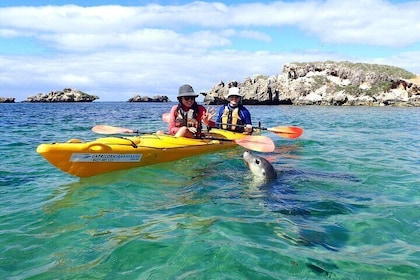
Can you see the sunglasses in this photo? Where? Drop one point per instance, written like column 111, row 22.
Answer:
column 189, row 98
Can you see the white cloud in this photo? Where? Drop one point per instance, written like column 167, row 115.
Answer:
column 366, row 22
column 250, row 34
column 374, row 21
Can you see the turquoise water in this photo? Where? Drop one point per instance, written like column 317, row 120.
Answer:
column 344, row 206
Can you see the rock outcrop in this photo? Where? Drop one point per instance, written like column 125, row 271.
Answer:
column 66, row 95
column 326, row 83
column 157, row 98
column 7, row 100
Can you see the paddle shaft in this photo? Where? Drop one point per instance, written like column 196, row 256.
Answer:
column 240, row 125
column 291, row 132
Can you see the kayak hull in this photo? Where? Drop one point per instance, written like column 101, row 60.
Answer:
column 108, row 154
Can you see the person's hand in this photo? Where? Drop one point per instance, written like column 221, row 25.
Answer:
column 248, row 128
column 210, row 112
column 192, row 129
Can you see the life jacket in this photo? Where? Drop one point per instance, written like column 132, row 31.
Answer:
column 188, row 118
column 231, row 120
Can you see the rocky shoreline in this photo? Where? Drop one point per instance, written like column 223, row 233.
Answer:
column 326, row 83
column 315, row 83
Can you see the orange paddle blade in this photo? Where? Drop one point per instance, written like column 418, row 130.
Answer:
column 291, row 132
column 107, row 129
column 256, row 143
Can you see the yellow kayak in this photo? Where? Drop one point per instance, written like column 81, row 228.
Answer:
column 107, row 154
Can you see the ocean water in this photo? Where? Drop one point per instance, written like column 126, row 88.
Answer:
column 344, row 206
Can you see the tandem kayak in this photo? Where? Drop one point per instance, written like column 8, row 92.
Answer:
column 108, row 154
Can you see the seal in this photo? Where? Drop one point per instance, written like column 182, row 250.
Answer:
column 305, row 226
column 259, row 166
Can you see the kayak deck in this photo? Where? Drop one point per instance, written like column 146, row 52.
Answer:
column 107, row 154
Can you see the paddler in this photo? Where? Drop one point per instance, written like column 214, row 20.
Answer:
column 187, row 117
column 234, row 116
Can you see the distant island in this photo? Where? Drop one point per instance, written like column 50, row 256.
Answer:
column 7, row 100
column 311, row 83
column 65, row 95
column 75, row 95
column 157, row 98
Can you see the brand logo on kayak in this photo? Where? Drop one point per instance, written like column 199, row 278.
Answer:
column 85, row 157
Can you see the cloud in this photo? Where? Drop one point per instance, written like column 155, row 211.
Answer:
column 358, row 22
column 118, row 51
column 371, row 22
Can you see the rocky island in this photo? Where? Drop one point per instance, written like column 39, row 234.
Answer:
column 157, row 98
column 66, row 95
column 7, row 100
column 327, row 83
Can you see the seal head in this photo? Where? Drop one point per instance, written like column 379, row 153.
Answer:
column 259, row 166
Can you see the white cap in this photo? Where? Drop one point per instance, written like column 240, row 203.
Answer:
column 234, row 91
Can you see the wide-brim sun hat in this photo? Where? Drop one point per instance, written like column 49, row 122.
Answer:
column 234, row 91
column 186, row 90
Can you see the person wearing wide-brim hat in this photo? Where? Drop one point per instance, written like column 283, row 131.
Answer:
column 187, row 117
column 186, row 90
column 234, row 116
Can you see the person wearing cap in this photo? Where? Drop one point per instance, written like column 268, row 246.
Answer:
column 234, row 116
column 187, row 117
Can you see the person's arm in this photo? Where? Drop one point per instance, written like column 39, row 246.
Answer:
column 246, row 116
column 173, row 129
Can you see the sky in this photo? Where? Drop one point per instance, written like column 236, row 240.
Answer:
column 119, row 49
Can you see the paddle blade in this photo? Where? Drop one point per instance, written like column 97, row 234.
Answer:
column 107, row 129
column 256, row 143
column 291, row 132
column 165, row 117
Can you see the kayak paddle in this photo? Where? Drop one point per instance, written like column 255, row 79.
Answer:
column 256, row 143
column 291, row 132
column 107, row 129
